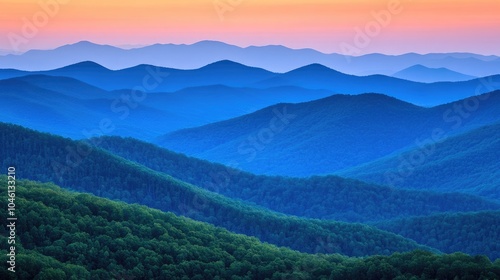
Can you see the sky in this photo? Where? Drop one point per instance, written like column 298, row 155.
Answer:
column 342, row 26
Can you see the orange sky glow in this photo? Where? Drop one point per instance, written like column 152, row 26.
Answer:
column 402, row 26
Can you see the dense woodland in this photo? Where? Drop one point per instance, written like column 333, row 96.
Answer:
column 471, row 233
column 466, row 163
column 327, row 197
column 79, row 167
column 64, row 235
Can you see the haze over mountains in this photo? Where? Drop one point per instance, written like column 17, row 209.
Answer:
column 420, row 73
column 273, row 58
column 322, row 197
column 68, row 107
column 81, row 168
column 267, row 144
column 327, row 135
column 227, row 73
column 467, row 162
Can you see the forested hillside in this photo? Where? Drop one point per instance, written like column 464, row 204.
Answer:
column 327, row 197
column 65, row 235
column 466, row 163
column 471, row 233
column 330, row 134
column 78, row 166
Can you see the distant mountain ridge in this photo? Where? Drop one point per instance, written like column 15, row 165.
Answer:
column 420, row 73
column 69, row 107
column 273, row 58
column 228, row 73
column 323, row 136
column 467, row 163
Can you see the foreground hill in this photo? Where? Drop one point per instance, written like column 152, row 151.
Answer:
column 232, row 74
column 466, row 163
column 64, row 235
column 80, row 167
column 330, row 134
column 328, row 197
column 471, row 233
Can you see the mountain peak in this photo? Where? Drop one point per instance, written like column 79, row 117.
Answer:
column 315, row 67
column 87, row 65
column 228, row 65
column 84, row 43
column 422, row 73
column 225, row 63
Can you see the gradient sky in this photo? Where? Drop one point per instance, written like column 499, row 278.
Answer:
column 421, row 26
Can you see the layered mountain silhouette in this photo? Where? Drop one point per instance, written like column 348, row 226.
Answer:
column 392, row 159
column 420, row 73
column 69, row 107
column 328, row 197
column 80, row 167
column 274, row 58
column 330, row 134
column 467, row 163
column 68, row 229
column 227, row 73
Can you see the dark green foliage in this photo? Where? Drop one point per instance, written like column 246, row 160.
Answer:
column 327, row 197
column 77, row 166
column 467, row 163
column 471, row 233
column 79, row 236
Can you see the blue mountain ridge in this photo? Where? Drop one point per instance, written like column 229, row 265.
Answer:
column 330, row 134
column 314, row 76
column 275, row 58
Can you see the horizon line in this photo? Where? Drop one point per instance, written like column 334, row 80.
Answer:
column 128, row 47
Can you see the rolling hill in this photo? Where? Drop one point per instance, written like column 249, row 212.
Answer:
column 317, row 76
column 68, row 107
column 157, row 79
column 231, row 74
column 465, row 163
column 327, row 135
column 67, row 235
column 420, row 73
column 79, row 167
column 74, row 109
column 471, row 233
column 328, row 197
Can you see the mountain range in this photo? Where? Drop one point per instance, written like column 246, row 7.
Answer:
column 213, row 161
column 154, row 177
column 321, row 197
column 71, row 108
column 274, row 58
column 79, row 167
column 76, row 235
column 148, row 78
column 467, row 163
column 330, row 134
column 420, row 73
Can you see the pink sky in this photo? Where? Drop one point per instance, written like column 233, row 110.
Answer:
column 421, row 26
